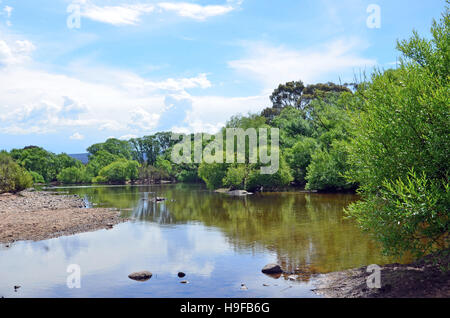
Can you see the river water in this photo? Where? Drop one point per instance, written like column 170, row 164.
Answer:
column 219, row 241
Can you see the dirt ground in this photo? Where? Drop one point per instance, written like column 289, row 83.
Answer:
column 36, row 216
column 423, row 279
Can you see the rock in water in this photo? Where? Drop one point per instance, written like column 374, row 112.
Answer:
column 272, row 269
column 141, row 276
column 181, row 274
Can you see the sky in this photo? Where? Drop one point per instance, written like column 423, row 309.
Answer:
column 76, row 72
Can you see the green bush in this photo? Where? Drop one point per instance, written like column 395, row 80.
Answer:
column 213, row 174
column 13, row 178
column 300, row 158
column 119, row 171
column 37, row 178
column 281, row 178
column 401, row 146
column 328, row 168
column 236, row 177
column 74, row 175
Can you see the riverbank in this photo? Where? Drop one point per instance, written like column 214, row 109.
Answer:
column 421, row 279
column 35, row 215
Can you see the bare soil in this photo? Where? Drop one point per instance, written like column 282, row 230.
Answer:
column 427, row 278
column 33, row 215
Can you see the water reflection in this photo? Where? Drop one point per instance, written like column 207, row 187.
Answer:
column 307, row 232
column 221, row 241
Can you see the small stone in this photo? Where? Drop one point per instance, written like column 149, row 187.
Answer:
column 181, row 274
column 243, row 287
column 184, row 282
column 272, row 269
column 141, row 276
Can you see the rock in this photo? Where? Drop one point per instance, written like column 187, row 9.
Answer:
column 292, row 277
column 272, row 269
column 16, row 288
column 243, row 287
column 266, row 285
column 181, row 274
column 238, row 193
column 141, row 276
column 184, row 282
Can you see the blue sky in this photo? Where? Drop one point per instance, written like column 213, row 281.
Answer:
column 135, row 67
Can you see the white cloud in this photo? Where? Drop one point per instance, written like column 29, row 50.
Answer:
column 77, row 136
column 130, row 14
column 99, row 99
column 273, row 65
column 209, row 113
column 116, row 15
column 195, row 11
column 17, row 52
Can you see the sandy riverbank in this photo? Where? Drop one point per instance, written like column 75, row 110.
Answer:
column 422, row 279
column 38, row 216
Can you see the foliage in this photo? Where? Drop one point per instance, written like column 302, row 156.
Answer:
column 13, row 178
column 300, row 157
column 213, row 174
column 400, row 148
column 74, row 175
column 43, row 162
column 37, row 178
column 327, row 168
column 280, row 179
column 101, row 159
column 119, row 148
column 119, row 172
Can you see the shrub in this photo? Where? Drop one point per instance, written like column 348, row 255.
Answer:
column 119, row 171
column 74, row 175
column 37, row 178
column 13, row 178
column 400, row 148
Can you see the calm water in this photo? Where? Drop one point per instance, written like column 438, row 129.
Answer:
column 220, row 242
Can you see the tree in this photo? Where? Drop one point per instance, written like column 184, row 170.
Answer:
column 101, row 159
column 13, row 178
column 287, row 94
column 74, row 175
column 213, row 174
column 119, row 172
column 300, row 157
column 400, row 148
column 120, row 148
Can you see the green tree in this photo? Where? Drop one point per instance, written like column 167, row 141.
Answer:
column 13, row 178
column 37, row 178
column 120, row 148
column 400, row 148
column 300, row 156
column 118, row 172
column 74, row 175
column 287, row 94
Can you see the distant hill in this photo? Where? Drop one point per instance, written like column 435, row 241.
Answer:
column 83, row 157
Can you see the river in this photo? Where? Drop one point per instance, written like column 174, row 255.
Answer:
column 219, row 241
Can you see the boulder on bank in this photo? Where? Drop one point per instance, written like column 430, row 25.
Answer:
column 141, row 276
column 272, row 269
